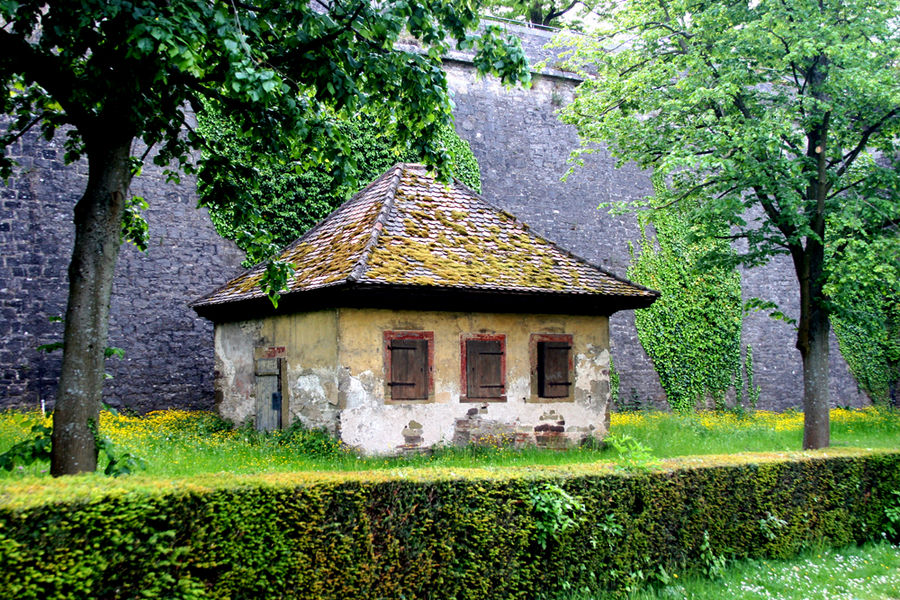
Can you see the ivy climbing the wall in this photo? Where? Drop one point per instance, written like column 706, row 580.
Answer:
column 293, row 198
column 693, row 332
column 869, row 339
column 865, row 289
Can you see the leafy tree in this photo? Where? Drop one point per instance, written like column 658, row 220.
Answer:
column 291, row 202
column 120, row 76
column 759, row 114
column 539, row 12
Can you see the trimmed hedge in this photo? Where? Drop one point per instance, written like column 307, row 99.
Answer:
column 427, row 534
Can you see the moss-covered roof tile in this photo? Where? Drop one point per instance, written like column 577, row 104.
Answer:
column 407, row 229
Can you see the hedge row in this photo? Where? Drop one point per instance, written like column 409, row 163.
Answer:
column 369, row 536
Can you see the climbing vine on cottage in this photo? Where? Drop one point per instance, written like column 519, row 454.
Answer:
column 693, row 332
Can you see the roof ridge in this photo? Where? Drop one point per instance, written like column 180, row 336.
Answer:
column 361, row 264
column 569, row 253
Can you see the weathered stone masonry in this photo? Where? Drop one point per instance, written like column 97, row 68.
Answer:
column 522, row 149
column 168, row 354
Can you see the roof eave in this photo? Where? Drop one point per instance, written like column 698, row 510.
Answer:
column 397, row 297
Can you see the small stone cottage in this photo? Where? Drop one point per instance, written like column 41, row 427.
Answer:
column 419, row 314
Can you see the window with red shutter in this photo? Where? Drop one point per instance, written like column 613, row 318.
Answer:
column 483, row 367
column 552, row 366
column 408, row 360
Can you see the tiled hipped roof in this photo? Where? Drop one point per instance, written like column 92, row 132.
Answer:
column 408, row 230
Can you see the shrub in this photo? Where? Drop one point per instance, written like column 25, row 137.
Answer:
column 317, row 443
column 462, row 534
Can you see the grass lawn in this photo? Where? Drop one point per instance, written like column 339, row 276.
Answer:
column 870, row 572
column 179, row 443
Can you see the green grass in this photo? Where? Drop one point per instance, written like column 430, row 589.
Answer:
column 671, row 435
column 869, row 572
column 177, row 443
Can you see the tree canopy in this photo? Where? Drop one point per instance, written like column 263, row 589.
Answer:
column 778, row 120
column 538, row 12
column 119, row 78
column 291, row 200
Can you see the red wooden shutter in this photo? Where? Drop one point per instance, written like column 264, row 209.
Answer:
column 553, row 369
column 484, row 369
column 409, row 369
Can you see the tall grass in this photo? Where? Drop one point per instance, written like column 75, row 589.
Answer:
column 179, row 443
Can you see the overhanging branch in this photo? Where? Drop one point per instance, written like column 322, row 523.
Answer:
column 49, row 72
column 851, row 156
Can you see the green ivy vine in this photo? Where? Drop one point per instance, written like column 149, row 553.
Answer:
column 865, row 290
column 292, row 198
column 692, row 333
column 870, row 343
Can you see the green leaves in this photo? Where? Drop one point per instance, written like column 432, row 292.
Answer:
column 52, row 347
column 24, row 453
column 759, row 305
column 633, row 456
column 118, row 463
column 286, row 74
column 774, row 124
column 134, row 226
column 719, row 99
column 555, row 512
column 692, row 333
column 288, row 198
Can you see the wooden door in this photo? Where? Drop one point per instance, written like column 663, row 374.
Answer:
column 268, row 394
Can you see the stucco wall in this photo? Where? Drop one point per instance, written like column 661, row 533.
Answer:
column 368, row 423
column 335, row 378
column 307, row 342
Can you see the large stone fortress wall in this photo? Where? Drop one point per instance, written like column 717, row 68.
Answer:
column 168, row 350
column 522, row 149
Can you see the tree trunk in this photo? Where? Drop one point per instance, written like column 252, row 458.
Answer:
column 98, row 227
column 816, row 395
column 812, row 341
column 814, row 326
column 536, row 13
